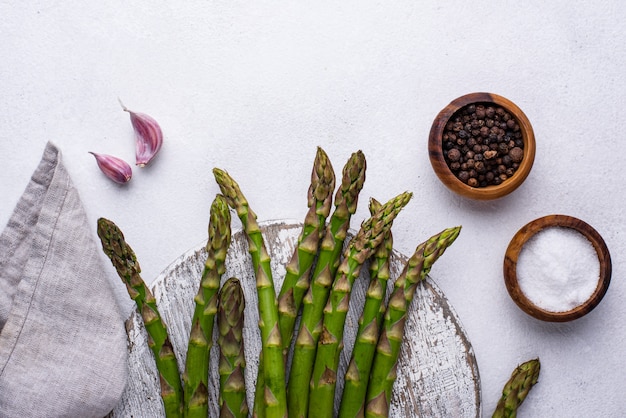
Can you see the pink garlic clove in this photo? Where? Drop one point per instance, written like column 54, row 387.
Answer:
column 114, row 168
column 148, row 136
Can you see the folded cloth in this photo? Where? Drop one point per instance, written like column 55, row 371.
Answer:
column 63, row 346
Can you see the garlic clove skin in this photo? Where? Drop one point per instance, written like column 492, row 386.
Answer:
column 114, row 168
column 148, row 136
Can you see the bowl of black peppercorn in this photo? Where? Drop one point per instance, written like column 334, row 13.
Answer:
column 481, row 146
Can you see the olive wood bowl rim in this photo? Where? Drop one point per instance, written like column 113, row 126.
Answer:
column 528, row 231
column 447, row 177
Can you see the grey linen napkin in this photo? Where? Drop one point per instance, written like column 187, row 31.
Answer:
column 63, row 346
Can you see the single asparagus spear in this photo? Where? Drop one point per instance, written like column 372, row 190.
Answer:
column 357, row 375
column 232, row 364
column 516, row 389
column 383, row 372
column 274, row 395
column 196, row 375
column 298, row 270
column 125, row 262
column 346, row 199
column 297, row 277
column 330, row 343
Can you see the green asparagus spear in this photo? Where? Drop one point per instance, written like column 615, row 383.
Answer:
column 330, row 343
column 346, row 199
column 516, row 389
column 196, row 375
column 232, row 364
column 357, row 376
column 125, row 262
column 383, row 372
column 298, row 270
column 297, row 277
column 274, row 395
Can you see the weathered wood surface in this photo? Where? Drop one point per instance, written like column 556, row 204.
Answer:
column 438, row 375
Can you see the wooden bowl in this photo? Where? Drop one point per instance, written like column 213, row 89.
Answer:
column 443, row 171
column 513, row 251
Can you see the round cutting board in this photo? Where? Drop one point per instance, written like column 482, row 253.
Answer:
column 437, row 371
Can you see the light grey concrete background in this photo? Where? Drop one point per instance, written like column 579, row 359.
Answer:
column 254, row 87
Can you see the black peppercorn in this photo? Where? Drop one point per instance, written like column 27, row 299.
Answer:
column 516, row 154
column 454, row 154
column 506, row 160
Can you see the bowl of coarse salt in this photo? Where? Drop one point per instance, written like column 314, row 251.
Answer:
column 557, row 268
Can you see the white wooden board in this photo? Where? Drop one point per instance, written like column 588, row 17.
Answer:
column 437, row 376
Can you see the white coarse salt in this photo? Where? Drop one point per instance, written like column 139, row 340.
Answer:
column 558, row 269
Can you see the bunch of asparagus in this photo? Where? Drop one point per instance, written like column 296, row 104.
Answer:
column 317, row 288
column 189, row 398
